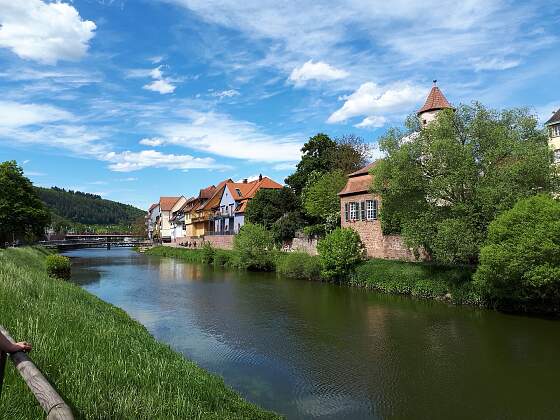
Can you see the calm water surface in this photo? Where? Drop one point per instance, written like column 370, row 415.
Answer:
column 310, row 350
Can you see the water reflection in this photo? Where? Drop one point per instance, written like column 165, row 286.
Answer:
column 311, row 350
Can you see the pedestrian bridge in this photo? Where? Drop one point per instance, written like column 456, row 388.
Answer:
column 90, row 240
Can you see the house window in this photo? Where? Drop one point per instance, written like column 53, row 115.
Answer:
column 557, row 156
column 371, row 207
column 353, row 210
column 238, row 192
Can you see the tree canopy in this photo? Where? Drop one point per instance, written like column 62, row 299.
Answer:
column 443, row 185
column 22, row 214
column 270, row 205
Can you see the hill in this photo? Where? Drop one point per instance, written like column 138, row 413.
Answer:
column 87, row 209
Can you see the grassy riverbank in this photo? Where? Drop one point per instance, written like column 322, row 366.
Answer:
column 422, row 280
column 105, row 365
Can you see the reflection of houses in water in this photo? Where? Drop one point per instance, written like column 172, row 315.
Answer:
column 172, row 270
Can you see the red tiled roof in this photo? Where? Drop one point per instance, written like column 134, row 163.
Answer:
column 166, row 203
column 435, row 101
column 216, row 192
column 365, row 170
column 153, row 206
column 207, row 192
column 249, row 189
column 554, row 119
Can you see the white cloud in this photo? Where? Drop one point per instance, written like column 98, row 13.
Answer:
column 316, row 71
column 44, row 32
column 375, row 102
column 14, row 114
column 496, row 64
column 132, row 161
column 372, row 122
column 160, row 84
column 154, row 141
column 129, row 179
column 226, row 94
column 221, row 135
column 285, row 166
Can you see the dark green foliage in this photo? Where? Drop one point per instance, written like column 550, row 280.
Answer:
column 208, row 253
column 104, row 364
column 253, row 247
column 520, row 261
column 286, row 226
column 443, row 186
column 340, row 252
column 84, row 208
column 22, row 214
column 321, row 154
column 418, row 279
column 270, row 205
column 58, row 266
column 298, row 265
column 222, row 258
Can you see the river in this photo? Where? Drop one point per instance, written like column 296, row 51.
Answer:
column 311, row 350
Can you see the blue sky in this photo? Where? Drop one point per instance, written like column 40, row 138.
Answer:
column 134, row 99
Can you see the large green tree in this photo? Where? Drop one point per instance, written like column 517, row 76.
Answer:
column 269, row 205
column 22, row 214
column 321, row 154
column 320, row 197
column 442, row 185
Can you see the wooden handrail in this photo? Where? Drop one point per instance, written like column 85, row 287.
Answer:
column 46, row 395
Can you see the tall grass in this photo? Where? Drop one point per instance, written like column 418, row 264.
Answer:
column 103, row 363
column 418, row 279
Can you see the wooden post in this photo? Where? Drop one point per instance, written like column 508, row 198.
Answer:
column 46, row 395
column 2, row 369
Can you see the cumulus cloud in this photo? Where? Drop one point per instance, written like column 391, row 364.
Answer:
column 160, row 84
column 222, row 135
column 319, row 71
column 154, row 141
column 372, row 122
column 375, row 102
column 44, row 32
column 133, row 161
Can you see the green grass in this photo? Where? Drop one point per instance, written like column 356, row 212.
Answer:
column 422, row 280
column 189, row 255
column 103, row 363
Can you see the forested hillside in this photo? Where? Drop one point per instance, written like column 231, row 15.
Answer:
column 87, row 209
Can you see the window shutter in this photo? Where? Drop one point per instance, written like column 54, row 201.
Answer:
column 346, row 210
column 363, row 212
column 375, row 209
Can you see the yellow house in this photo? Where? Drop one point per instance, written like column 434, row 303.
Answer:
column 202, row 215
column 553, row 126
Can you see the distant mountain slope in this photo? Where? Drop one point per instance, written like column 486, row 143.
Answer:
column 88, row 209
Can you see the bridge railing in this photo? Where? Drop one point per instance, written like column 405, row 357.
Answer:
column 45, row 394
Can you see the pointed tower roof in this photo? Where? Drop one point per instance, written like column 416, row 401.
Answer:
column 436, row 100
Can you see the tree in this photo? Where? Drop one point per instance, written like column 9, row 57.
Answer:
column 351, row 153
column 253, row 247
column 285, row 227
column 320, row 198
column 321, row 154
column 340, row 252
column 442, row 186
column 269, row 205
column 520, row 260
column 317, row 155
column 22, row 214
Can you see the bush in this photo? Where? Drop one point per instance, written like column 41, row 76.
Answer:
column 340, row 252
column 58, row 266
column 208, row 253
column 299, row 265
column 520, row 261
column 222, row 258
column 253, row 248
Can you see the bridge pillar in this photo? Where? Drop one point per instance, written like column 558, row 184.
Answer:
column 108, row 242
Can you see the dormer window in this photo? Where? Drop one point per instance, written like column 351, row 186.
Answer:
column 239, row 192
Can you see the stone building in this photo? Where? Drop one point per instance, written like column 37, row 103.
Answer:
column 359, row 208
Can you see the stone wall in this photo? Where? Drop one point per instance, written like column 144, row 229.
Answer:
column 220, row 241
column 377, row 245
column 303, row 244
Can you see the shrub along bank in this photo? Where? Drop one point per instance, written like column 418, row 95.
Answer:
column 103, row 363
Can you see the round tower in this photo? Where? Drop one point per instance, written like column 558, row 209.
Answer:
column 435, row 102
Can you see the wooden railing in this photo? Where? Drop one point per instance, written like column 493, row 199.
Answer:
column 53, row 404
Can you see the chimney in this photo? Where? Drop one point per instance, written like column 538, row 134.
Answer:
column 245, row 181
column 260, row 177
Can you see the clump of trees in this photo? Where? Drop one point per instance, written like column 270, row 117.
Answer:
column 310, row 202
column 339, row 253
column 443, row 185
column 253, row 248
column 520, row 260
column 23, row 216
